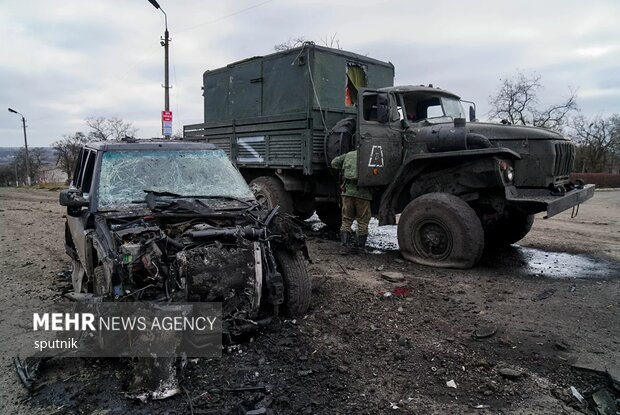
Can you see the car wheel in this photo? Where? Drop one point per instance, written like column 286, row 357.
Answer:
column 270, row 192
column 297, row 286
column 440, row 230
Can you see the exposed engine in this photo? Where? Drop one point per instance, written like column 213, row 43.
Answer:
column 216, row 257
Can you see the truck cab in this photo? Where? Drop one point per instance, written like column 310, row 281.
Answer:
column 414, row 141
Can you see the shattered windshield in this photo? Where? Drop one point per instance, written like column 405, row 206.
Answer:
column 125, row 175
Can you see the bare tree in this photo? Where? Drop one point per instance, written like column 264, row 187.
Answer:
column 35, row 156
column 103, row 129
column 598, row 141
column 7, row 176
column 331, row 41
column 67, row 151
column 291, row 43
column 516, row 101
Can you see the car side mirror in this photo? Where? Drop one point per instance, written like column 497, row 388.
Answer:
column 72, row 198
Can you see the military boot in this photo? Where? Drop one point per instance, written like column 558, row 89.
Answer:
column 361, row 243
column 345, row 238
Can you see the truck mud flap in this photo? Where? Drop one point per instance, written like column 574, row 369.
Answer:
column 542, row 199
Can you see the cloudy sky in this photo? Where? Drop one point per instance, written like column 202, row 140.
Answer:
column 64, row 61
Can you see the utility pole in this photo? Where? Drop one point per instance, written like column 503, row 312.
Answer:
column 165, row 42
column 25, row 146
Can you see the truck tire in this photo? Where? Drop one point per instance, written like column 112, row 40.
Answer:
column 269, row 192
column 297, row 286
column 440, row 230
column 330, row 215
column 508, row 229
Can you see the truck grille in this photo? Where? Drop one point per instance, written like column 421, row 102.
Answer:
column 564, row 158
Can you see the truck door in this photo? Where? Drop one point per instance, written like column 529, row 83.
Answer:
column 379, row 152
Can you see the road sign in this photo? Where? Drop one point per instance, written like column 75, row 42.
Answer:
column 167, row 128
column 166, row 116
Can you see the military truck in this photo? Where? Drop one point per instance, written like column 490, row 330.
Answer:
column 458, row 185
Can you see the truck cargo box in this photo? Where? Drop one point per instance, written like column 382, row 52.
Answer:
column 273, row 111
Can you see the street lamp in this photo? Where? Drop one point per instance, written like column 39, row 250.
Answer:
column 25, row 145
column 167, row 132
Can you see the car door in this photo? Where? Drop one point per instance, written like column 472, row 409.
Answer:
column 380, row 138
column 77, row 217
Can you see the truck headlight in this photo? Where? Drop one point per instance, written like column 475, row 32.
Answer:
column 507, row 170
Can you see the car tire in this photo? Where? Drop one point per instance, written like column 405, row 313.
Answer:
column 507, row 230
column 270, row 192
column 297, row 286
column 440, row 230
column 330, row 215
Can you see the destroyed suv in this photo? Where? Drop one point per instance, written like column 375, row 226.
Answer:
column 175, row 221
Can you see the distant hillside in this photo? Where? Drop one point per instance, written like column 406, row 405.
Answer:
column 7, row 153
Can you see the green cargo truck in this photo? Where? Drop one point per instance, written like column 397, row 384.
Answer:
column 458, row 185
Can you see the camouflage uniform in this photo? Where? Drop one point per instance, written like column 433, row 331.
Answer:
column 355, row 200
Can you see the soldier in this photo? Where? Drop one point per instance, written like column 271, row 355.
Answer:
column 355, row 201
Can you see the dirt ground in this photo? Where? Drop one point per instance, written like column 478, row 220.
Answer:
column 550, row 308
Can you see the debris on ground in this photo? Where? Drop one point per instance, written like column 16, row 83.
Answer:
column 577, row 395
column 605, row 403
column 510, row 373
column 392, row 276
column 543, row 295
column 451, row 384
column 484, row 332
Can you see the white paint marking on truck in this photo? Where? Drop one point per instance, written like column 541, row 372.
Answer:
column 376, row 157
column 245, row 143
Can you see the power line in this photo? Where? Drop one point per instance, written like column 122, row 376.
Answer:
column 224, row 17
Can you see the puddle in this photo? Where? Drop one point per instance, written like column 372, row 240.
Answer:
column 380, row 238
column 530, row 261
column 554, row 264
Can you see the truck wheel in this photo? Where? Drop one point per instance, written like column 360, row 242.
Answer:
column 508, row 229
column 440, row 230
column 330, row 215
column 269, row 192
column 297, row 287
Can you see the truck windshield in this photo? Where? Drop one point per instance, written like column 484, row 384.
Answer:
column 125, row 175
column 432, row 107
column 452, row 108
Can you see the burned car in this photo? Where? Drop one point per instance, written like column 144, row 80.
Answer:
column 175, row 221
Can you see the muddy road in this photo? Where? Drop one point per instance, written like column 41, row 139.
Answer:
column 512, row 334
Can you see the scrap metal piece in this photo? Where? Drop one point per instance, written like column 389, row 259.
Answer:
column 27, row 372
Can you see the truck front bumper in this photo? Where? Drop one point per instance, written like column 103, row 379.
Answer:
column 539, row 200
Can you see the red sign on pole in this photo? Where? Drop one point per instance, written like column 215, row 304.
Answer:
column 166, row 116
